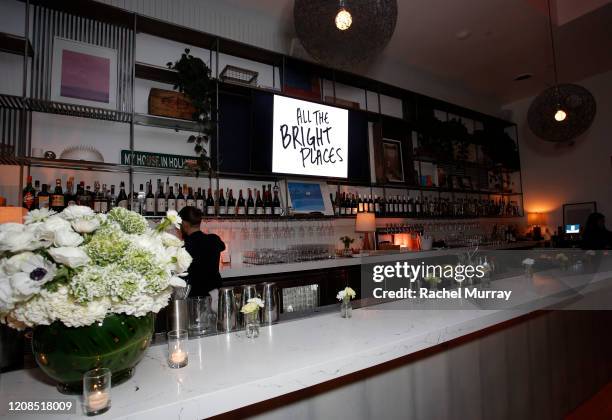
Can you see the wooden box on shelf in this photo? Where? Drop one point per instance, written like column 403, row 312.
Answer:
column 168, row 103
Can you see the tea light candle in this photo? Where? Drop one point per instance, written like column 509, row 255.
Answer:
column 178, row 357
column 97, row 400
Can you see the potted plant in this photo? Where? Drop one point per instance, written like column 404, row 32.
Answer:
column 194, row 80
column 88, row 285
column 347, row 241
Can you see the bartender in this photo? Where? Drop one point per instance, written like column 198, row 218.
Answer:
column 203, row 275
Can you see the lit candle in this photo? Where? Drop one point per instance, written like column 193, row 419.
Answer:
column 97, row 400
column 177, row 357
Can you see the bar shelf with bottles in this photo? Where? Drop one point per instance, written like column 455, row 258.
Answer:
column 396, row 206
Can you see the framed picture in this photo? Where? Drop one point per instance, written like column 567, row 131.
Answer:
column 393, row 165
column 83, row 74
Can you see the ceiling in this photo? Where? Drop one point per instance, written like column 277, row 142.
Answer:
column 502, row 39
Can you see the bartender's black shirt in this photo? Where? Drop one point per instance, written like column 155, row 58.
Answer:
column 203, row 274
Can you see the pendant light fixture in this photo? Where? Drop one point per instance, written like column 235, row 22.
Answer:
column 345, row 33
column 563, row 111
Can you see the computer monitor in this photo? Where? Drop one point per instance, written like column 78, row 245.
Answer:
column 572, row 228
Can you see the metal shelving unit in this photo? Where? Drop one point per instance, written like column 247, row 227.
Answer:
column 105, row 25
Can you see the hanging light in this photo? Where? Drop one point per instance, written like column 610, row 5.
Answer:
column 561, row 112
column 344, row 19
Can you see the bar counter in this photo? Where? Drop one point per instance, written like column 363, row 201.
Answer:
column 228, row 371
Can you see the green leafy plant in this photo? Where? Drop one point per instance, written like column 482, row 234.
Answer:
column 347, row 241
column 194, row 80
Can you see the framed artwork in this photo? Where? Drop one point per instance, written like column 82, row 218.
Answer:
column 393, row 165
column 575, row 215
column 83, row 74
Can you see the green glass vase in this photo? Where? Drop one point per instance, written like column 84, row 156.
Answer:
column 66, row 353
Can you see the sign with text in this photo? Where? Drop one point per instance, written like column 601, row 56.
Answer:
column 309, row 138
column 156, row 160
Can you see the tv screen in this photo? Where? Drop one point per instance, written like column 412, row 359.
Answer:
column 309, row 138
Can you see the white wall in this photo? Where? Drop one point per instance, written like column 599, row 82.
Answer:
column 554, row 175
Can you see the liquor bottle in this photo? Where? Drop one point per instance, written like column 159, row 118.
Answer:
column 82, row 199
column 43, row 197
column 276, row 204
column 241, row 206
column 231, row 204
column 149, row 203
column 96, row 199
column 112, row 198
column 122, row 199
column 161, row 204
column 259, row 209
column 70, row 198
column 180, row 200
column 221, row 204
column 29, row 195
column 141, row 200
column 171, row 200
column 250, row 204
column 104, row 199
column 191, row 202
column 359, row 204
column 57, row 198
column 210, row 204
column 199, row 199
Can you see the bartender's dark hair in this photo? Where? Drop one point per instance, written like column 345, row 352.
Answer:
column 191, row 215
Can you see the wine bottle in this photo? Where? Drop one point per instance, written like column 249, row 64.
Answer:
column 241, row 206
column 29, row 195
column 171, row 200
column 231, row 204
column 359, row 204
column 354, row 205
column 250, row 204
column 199, row 199
column 221, row 204
column 267, row 201
column 139, row 200
column 190, row 201
column 57, row 198
column 181, row 202
column 160, row 200
column 370, row 204
column 259, row 209
column 122, row 199
column 276, row 204
column 149, row 203
column 210, row 204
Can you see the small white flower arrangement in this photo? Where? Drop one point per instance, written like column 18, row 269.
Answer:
column 252, row 306
column 561, row 257
column 528, row 262
column 346, row 294
column 77, row 266
column 433, row 280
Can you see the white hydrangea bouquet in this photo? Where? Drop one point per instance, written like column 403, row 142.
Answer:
column 77, row 266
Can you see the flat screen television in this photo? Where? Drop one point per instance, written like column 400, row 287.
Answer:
column 309, row 138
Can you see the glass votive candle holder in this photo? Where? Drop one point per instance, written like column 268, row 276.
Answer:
column 177, row 349
column 96, row 391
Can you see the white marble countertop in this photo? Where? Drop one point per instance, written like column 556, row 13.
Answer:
column 240, row 270
column 229, row 371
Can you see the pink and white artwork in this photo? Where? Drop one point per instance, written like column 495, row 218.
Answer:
column 84, row 74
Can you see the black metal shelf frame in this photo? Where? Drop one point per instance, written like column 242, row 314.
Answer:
column 122, row 29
